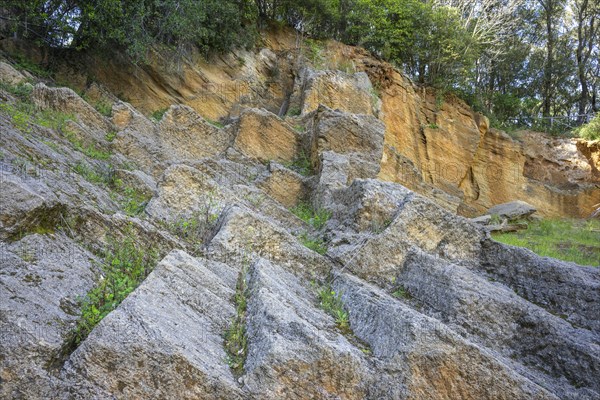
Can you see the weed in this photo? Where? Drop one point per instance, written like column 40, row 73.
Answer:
column 401, row 293
column 331, row 303
column 35, row 69
column 89, row 150
column 196, row 228
column 496, row 219
column 91, row 175
column 316, row 218
column 19, row 118
column 133, row 201
column 315, row 244
column 126, row 264
column 314, row 52
column 216, row 124
column 110, row 136
column 301, row 165
column 22, row 91
column 294, row 111
column 235, row 339
column 569, row 240
column 104, row 108
column 432, row 126
column 158, row 114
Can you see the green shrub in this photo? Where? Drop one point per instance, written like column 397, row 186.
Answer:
column 315, row 244
column 126, row 264
column 301, row 165
column 316, row 218
column 236, row 340
column 158, row 114
column 591, row 130
column 294, row 111
column 104, row 108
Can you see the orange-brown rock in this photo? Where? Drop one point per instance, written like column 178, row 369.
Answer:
column 264, row 136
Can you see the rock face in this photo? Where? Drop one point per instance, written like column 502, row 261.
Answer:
column 369, row 290
column 353, row 94
column 434, row 144
column 359, row 137
column 265, row 137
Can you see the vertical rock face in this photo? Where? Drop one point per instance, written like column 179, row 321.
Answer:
column 358, row 136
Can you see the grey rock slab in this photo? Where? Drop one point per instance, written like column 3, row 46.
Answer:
column 41, row 279
column 294, row 351
column 512, row 210
column 422, row 355
column 165, row 339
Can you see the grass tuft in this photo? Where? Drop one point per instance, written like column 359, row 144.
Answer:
column 316, row 218
column 331, row 303
column 315, row 244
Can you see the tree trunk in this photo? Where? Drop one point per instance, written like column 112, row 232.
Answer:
column 549, row 67
column 581, row 62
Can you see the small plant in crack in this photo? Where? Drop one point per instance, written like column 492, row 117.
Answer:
column 331, row 302
column 236, row 339
column 317, row 218
column 301, row 165
column 126, row 264
column 315, row 244
column 196, row 227
column 401, row 293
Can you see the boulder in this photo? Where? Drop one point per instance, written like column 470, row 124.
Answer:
column 184, row 192
column 423, row 357
column 512, row 210
column 294, row 350
column 263, row 136
column 183, row 134
column 359, row 137
column 27, row 204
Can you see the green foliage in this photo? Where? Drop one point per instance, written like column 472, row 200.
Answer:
column 216, row 124
column 591, row 130
column 401, row 293
column 301, row 165
column 316, row 218
column 314, row 52
column 569, row 240
column 89, row 150
column 132, row 201
column 98, row 177
column 294, row 111
column 126, row 264
column 317, row 245
column 111, row 136
column 196, row 227
column 158, row 114
column 331, row 303
column 104, row 108
column 236, row 339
